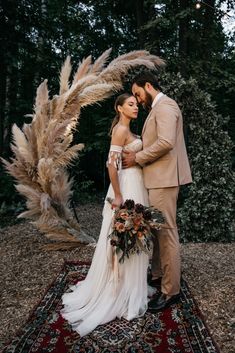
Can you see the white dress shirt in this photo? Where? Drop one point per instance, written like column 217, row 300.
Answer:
column 158, row 96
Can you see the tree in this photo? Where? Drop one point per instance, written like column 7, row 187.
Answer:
column 207, row 213
column 194, row 44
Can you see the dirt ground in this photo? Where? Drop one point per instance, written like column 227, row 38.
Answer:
column 26, row 271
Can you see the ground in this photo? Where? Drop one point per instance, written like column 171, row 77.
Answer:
column 27, row 270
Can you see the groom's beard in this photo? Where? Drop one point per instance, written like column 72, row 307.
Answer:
column 148, row 101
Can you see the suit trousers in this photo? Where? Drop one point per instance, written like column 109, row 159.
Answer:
column 166, row 247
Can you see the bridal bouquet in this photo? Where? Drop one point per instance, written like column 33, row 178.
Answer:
column 132, row 228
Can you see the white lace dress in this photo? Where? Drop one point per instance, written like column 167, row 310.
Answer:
column 105, row 293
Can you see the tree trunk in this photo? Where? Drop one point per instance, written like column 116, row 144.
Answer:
column 208, row 29
column 154, row 35
column 41, row 47
column 3, row 81
column 9, row 73
column 140, row 20
column 12, row 90
column 3, row 78
column 183, row 36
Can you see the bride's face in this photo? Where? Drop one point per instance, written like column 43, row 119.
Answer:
column 129, row 108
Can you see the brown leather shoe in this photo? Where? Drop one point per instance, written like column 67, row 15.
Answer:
column 161, row 302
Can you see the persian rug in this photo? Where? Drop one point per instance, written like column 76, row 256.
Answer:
column 178, row 329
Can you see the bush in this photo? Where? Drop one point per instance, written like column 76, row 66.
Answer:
column 207, row 213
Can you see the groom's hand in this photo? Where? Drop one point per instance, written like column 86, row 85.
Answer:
column 128, row 159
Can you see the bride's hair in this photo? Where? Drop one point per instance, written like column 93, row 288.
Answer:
column 119, row 101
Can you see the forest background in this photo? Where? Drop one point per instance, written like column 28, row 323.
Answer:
column 35, row 38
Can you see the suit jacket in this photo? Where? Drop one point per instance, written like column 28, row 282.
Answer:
column 164, row 157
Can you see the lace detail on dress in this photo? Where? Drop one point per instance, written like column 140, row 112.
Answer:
column 134, row 146
column 115, row 157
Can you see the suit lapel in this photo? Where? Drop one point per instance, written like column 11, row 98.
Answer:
column 150, row 113
column 145, row 123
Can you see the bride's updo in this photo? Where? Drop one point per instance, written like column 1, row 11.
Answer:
column 119, row 101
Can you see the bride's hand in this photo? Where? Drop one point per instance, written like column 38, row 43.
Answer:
column 117, row 201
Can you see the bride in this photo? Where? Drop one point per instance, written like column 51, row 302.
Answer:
column 111, row 289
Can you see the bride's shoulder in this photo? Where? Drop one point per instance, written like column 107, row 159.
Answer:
column 120, row 130
column 119, row 135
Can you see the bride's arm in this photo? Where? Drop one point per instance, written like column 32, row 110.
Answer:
column 114, row 162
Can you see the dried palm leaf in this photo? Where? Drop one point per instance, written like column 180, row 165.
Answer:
column 130, row 56
column 32, row 141
column 64, row 75
column 100, row 63
column 97, row 93
column 83, row 69
column 56, row 106
column 61, row 192
column 19, row 139
column 42, row 95
column 65, row 159
column 32, row 214
column 76, row 89
column 116, row 72
column 42, row 150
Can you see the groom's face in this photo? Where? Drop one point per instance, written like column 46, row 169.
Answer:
column 143, row 96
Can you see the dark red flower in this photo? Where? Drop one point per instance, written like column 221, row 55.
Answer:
column 147, row 215
column 113, row 242
column 139, row 208
column 129, row 204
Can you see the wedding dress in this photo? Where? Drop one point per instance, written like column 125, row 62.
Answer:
column 107, row 293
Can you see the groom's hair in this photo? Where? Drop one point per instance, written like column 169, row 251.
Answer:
column 147, row 76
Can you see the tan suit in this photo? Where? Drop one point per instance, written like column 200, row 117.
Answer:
column 165, row 167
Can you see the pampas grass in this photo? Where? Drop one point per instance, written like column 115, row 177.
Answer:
column 42, row 149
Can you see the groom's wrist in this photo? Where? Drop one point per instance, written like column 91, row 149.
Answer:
column 138, row 159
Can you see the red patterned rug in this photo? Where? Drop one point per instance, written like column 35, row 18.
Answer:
column 179, row 329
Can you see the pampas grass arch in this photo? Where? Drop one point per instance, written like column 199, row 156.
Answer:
column 42, row 149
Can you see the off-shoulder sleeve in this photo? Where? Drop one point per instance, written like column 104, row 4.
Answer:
column 115, row 157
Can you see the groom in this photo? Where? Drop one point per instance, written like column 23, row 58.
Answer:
column 165, row 167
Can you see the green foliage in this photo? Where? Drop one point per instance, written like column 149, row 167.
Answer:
column 206, row 207
column 83, row 187
column 9, row 213
column 8, row 194
column 93, row 131
column 207, row 214
column 11, row 203
column 195, row 44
